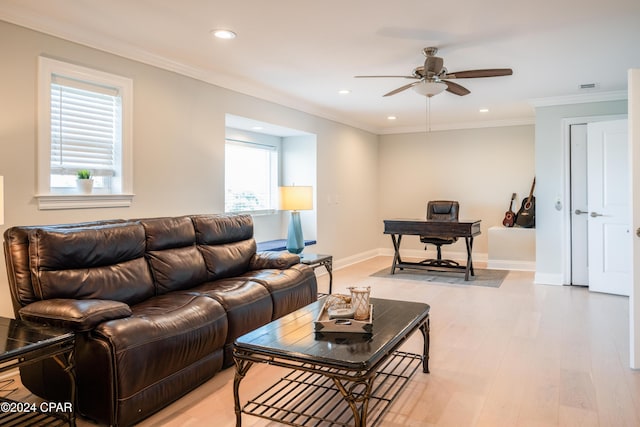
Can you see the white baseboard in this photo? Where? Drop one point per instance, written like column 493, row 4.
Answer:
column 354, row 259
column 548, row 279
column 505, row 264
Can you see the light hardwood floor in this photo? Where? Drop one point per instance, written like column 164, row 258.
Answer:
column 518, row 355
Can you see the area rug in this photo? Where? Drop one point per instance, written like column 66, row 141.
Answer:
column 483, row 277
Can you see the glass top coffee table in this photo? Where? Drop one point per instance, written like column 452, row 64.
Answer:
column 337, row 379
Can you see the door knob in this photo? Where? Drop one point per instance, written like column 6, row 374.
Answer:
column 638, row 232
column 579, row 212
column 595, row 214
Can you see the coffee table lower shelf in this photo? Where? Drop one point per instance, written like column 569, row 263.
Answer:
column 31, row 419
column 304, row 398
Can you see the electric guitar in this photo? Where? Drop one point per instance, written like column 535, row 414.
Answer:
column 510, row 215
column 526, row 217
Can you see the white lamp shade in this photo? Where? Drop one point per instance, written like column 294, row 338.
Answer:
column 429, row 88
column 296, row 198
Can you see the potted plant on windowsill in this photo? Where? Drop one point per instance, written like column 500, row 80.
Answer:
column 84, row 181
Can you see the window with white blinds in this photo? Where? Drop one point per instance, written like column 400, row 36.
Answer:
column 85, row 128
column 84, row 123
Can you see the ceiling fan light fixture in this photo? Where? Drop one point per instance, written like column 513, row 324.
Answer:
column 429, row 89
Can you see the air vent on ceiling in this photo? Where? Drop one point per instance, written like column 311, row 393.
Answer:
column 588, row 86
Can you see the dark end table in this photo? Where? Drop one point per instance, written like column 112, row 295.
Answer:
column 23, row 343
column 318, row 260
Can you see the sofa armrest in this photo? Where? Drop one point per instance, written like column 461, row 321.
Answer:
column 77, row 315
column 270, row 259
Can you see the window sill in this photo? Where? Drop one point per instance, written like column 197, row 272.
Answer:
column 264, row 212
column 83, row 201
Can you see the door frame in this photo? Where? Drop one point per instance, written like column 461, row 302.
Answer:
column 565, row 198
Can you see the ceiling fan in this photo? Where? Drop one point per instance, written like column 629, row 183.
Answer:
column 432, row 78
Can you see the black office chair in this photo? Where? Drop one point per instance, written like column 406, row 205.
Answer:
column 441, row 210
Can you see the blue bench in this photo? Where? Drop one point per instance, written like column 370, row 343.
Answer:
column 279, row 245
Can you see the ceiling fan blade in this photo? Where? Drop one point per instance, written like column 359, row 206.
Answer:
column 456, row 89
column 400, row 89
column 375, row 77
column 493, row 72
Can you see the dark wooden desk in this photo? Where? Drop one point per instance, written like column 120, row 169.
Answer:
column 421, row 227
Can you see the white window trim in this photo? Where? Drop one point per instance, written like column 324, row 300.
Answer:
column 48, row 200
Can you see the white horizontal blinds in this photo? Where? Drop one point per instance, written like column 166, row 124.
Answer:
column 85, row 127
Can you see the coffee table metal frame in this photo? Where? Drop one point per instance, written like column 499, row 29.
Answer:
column 355, row 383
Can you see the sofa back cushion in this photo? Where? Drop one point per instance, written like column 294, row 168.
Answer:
column 102, row 262
column 226, row 243
column 175, row 261
column 16, row 252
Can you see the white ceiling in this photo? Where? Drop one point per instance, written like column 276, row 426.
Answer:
column 300, row 53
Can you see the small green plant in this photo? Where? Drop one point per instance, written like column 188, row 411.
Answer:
column 84, row 174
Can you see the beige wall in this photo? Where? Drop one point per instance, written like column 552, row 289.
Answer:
column 480, row 168
column 179, row 131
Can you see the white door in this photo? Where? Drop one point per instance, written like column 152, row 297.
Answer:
column 579, row 206
column 608, row 198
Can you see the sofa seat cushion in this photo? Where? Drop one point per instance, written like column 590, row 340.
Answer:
column 182, row 328
column 290, row 289
column 248, row 304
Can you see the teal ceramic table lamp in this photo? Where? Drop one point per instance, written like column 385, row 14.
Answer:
column 295, row 199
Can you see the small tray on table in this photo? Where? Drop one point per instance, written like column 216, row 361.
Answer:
column 324, row 324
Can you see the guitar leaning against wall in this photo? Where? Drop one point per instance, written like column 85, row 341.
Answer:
column 526, row 217
column 510, row 216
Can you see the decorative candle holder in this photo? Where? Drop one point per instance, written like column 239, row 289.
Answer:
column 360, row 302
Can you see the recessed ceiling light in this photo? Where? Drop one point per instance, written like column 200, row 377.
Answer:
column 391, row 117
column 344, row 91
column 257, row 128
column 484, row 110
column 224, row 34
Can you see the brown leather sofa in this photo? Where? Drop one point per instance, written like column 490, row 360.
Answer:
column 156, row 304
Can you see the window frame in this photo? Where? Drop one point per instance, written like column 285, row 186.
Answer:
column 274, row 172
column 48, row 199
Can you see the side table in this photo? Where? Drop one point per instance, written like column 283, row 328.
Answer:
column 23, row 343
column 316, row 260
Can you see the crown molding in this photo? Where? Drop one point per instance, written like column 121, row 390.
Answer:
column 245, row 87
column 463, row 125
column 618, row 95
column 252, row 89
